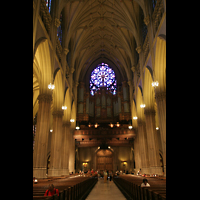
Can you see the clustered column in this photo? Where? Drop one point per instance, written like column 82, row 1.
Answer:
column 41, row 138
column 56, row 145
column 161, row 104
column 142, row 137
column 152, row 142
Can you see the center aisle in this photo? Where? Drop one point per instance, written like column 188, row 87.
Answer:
column 105, row 191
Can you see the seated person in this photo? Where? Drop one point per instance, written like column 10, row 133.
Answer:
column 51, row 191
column 145, row 183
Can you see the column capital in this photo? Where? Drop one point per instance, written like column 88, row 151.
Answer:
column 149, row 111
column 139, row 49
column 57, row 22
column 147, row 20
column 45, row 97
column 58, row 113
column 66, row 51
column 160, row 95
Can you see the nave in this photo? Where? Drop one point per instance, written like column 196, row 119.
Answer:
column 77, row 187
column 104, row 191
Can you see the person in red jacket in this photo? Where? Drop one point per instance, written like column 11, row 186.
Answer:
column 51, row 191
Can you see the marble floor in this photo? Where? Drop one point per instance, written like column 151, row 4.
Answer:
column 104, row 191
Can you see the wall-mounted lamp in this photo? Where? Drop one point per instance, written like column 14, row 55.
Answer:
column 71, row 120
column 155, row 84
column 51, row 130
column 142, row 105
column 51, row 86
column 64, row 107
column 135, row 118
column 157, row 128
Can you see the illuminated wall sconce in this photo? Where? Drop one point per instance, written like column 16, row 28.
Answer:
column 142, row 105
column 124, row 163
column 51, row 86
column 157, row 128
column 98, row 147
column 51, row 130
column 109, row 147
column 71, row 120
column 135, row 118
column 155, row 84
column 64, row 107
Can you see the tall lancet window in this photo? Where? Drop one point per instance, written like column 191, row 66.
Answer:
column 103, row 76
column 48, row 4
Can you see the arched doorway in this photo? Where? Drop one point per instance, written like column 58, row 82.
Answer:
column 104, row 160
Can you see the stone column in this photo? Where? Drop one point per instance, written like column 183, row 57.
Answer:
column 161, row 107
column 66, row 144
column 142, row 137
column 41, row 137
column 56, row 145
column 137, row 154
column 152, row 141
column 71, row 152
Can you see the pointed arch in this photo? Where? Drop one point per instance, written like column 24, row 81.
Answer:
column 42, row 65
column 58, row 92
column 149, row 95
column 134, row 114
column 139, row 101
column 67, row 102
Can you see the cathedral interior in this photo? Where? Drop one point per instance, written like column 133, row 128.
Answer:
column 99, row 86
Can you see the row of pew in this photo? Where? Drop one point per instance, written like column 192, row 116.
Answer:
column 70, row 188
column 130, row 186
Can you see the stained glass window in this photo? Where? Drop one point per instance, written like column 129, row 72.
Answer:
column 103, row 76
column 59, row 30
column 48, row 4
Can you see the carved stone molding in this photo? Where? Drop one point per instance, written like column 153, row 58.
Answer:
column 57, row 22
column 58, row 113
column 147, row 20
column 45, row 97
column 66, row 51
column 139, row 49
column 160, row 95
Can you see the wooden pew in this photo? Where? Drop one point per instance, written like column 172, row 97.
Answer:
column 130, row 187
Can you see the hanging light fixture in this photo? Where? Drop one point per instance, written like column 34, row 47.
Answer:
column 96, row 125
column 111, row 125
column 77, row 125
column 117, row 124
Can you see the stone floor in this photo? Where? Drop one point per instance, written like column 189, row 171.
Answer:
column 104, row 191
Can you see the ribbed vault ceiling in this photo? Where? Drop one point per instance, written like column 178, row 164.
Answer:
column 102, row 31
